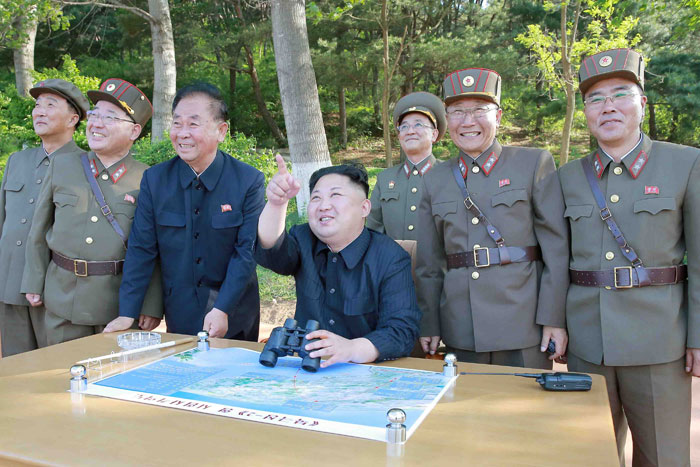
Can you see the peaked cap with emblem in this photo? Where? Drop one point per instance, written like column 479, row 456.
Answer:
column 614, row 63
column 66, row 90
column 473, row 82
column 127, row 96
column 426, row 103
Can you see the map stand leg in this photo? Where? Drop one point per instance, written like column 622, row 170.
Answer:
column 449, row 369
column 396, row 430
column 203, row 342
column 78, row 381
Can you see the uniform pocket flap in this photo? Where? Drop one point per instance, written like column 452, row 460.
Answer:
column 171, row 219
column 226, row 220
column 387, row 195
column 13, row 185
column 509, row 197
column 574, row 212
column 443, row 209
column 65, row 199
column 655, row 205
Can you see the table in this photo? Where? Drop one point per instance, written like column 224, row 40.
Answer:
column 484, row 420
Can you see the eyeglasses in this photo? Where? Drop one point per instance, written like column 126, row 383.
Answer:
column 416, row 126
column 475, row 112
column 106, row 119
column 597, row 101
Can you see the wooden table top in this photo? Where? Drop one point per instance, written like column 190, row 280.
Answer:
column 483, row 420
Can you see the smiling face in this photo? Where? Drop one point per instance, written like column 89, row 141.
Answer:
column 114, row 139
column 53, row 116
column 337, row 211
column 615, row 124
column 473, row 135
column 195, row 133
column 417, row 143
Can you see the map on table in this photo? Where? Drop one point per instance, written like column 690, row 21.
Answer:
column 346, row 399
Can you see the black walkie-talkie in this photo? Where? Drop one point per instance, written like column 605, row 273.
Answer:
column 553, row 381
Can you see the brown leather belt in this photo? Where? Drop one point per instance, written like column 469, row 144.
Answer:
column 626, row 277
column 83, row 268
column 482, row 257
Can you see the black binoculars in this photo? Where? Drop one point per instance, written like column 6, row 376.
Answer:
column 288, row 340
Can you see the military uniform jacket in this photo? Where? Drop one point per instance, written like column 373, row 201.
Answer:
column 68, row 220
column 24, row 175
column 203, row 230
column 657, row 188
column 395, row 199
column 497, row 307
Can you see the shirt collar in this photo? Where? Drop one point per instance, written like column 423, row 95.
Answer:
column 634, row 164
column 41, row 153
column 353, row 253
column 487, row 160
column 209, row 177
column 630, row 151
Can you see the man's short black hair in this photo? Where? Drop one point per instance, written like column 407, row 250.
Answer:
column 354, row 171
column 218, row 105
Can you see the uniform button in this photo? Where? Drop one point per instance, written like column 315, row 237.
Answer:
column 105, row 176
column 614, row 198
column 198, row 260
column 31, row 200
column 410, row 227
column 475, row 169
column 415, row 172
column 413, row 208
column 46, row 162
column 332, row 291
column 23, row 220
column 88, row 240
column 196, row 235
column 335, row 259
column 19, row 242
column 609, row 255
column 198, row 186
column 94, row 219
column 617, row 170
column 414, row 190
column 475, row 220
column 475, row 275
column 199, row 284
column 196, row 211
column 331, row 322
column 38, row 181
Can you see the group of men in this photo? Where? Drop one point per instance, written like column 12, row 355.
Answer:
column 511, row 254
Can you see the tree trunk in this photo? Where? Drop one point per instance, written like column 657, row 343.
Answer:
column 232, row 102
column 569, row 89
column 342, row 116
column 376, row 114
column 653, row 131
column 387, row 84
column 24, row 55
column 164, row 72
column 302, row 111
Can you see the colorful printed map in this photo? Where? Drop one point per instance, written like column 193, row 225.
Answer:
column 346, row 399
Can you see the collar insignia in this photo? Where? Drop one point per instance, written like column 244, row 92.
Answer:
column 598, row 165
column 406, row 170
column 490, row 163
column 462, row 167
column 93, row 168
column 119, row 173
column 638, row 164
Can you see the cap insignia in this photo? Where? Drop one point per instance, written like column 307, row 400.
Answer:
column 126, row 107
column 468, row 81
column 110, row 87
column 605, row 61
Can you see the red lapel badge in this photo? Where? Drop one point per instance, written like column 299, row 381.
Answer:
column 226, row 207
column 129, row 198
column 503, row 182
column 651, row 190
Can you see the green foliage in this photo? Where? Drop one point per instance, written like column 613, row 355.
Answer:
column 13, row 13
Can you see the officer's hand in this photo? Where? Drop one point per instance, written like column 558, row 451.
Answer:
column 692, row 362
column 340, row 349
column 560, row 338
column 148, row 323
column 119, row 324
column 216, row 323
column 34, row 299
column 429, row 344
column 282, row 186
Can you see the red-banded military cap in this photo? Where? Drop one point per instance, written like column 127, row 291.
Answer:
column 473, row 82
column 620, row 63
column 66, row 90
column 425, row 103
column 127, row 96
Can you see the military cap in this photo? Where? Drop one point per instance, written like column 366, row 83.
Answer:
column 66, row 90
column 127, row 96
column 614, row 63
column 473, row 82
column 426, row 103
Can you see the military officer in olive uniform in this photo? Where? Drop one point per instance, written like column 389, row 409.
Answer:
column 419, row 119
column 631, row 314
column 76, row 248
column 491, row 270
column 59, row 108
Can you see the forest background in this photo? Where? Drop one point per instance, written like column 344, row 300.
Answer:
column 364, row 54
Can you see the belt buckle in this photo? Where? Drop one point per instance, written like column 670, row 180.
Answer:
column 476, row 257
column 468, row 203
column 76, row 262
column 629, row 273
